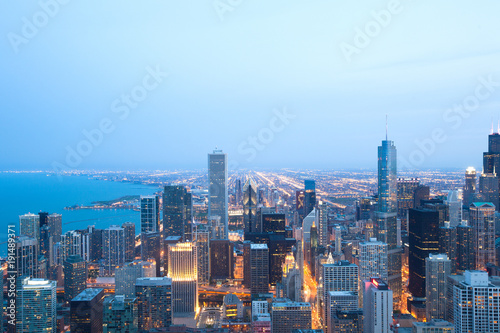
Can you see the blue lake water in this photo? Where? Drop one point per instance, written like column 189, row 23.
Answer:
column 22, row 193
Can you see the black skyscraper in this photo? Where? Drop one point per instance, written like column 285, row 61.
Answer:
column 175, row 210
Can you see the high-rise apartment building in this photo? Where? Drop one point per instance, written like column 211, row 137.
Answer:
column 26, row 256
column 75, row 276
column 29, row 225
column 482, row 220
column 120, row 314
column 36, row 305
column 437, row 269
column 113, row 248
column 154, row 302
column 201, row 237
column 377, row 306
column 129, row 233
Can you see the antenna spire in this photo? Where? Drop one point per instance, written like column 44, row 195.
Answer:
column 491, row 125
column 498, row 126
column 386, row 127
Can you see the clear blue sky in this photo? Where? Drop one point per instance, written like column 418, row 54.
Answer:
column 226, row 76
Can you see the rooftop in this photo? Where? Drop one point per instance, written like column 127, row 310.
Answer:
column 87, row 295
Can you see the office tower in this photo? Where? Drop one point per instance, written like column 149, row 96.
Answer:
column 201, row 237
column 291, row 280
column 256, row 270
column 113, row 248
column 216, row 227
column 433, row 326
column 238, row 192
column 386, row 225
column 154, row 302
column 151, row 248
column 29, row 225
column 309, row 184
column 126, row 276
column 272, row 222
column 95, row 236
column 465, row 248
column 365, row 208
column 150, row 213
column 437, row 269
column 183, row 270
column 377, row 306
column 75, row 243
column 250, row 218
column 338, row 276
column 470, row 186
column 46, row 241
column 488, row 188
column 174, row 211
column 422, row 193
column 423, row 240
column 476, row 304
column 75, row 276
column 309, row 201
column 86, row 311
column 339, row 301
column 26, row 256
column 372, row 260
column 482, row 219
column 35, row 305
column 43, row 218
column 221, row 259
column 279, row 247
column 129, row 233
column 406, row 195
column 289, row 316
column 322, row 217
column 217, row 190
column 454, row 204
column 299, row 205
column 54, row 221
column 188, row 225
column 338, row 239
column 120, row 314
column 307, row 226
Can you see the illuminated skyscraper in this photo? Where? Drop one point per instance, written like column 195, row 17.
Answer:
column 386, row 216
column 36, row 305
column 322, row 218
column 470, row 186
column 75, row 276
column 86, row 311
column 150, row 213
column 129, row 232
column 154, row 302
column 113, row 248
column 217, row 190
column 482, row 219
column 250, row 218
column 183, row 270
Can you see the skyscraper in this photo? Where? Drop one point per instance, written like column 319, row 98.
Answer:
column 36, row 305
column 150, row 213
column 476, row 304
column 437, row 269
column 174, row 211
column 29, row 225
column 423, row 240
column 250, row 218
column 183, row 270
column 113, row 248
column 454, row 204
column 75, row 276
column 256, row 270
column 372, row 260
column 272, row 221
column 221, row 259
column 54, row 221
column 465, row 248
column 386, row 216
column 289, row 316
column 86, row 311
column 126, row 276
column 201, row 237
column 26, row 256
column 120, row 314
column 217, row 190
column 488, row 188
column 95, row 243
column 322, row 217
column 406, row 195
column 152, row 248
column 77, row 243
column 377, row 306
column 470, row 186
column 154, row 302
column 129, row 233
column 482, row 219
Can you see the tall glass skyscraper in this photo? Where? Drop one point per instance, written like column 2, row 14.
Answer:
column 176, row 210
column 387, row 223
column 217, row 189
column 250, row 220
column 36, row 305
column 150, row 213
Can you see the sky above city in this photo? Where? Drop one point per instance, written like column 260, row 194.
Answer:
column 275, row 84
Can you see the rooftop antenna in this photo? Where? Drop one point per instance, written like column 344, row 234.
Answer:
column 386, row 127
column 492, row 125
column 498, row 126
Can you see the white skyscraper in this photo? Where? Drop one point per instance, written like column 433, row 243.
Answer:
column 322, row 223
column 476, row 303
column 437, row 269
column 183, row 270
column 217, row 190
column 36, row 306
column 75, row 243
column 372, row 260
column 377, row 306
column 113, row 248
